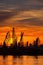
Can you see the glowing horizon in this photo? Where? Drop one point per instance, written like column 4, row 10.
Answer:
column 30, row 33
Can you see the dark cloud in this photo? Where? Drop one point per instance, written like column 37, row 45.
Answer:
column 31, row 21
column 20, row 2
column 6, row 15
column 40, row 0
column 17, row 6
column 23, row 4
column 24, row 22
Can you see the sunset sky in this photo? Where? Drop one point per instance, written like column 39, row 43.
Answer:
column 24, row 15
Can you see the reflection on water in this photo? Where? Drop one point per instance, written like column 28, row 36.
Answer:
column 21, row 60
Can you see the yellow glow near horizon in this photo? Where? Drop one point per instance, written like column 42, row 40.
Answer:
column 30, row 33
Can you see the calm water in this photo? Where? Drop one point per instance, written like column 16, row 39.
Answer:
column 22, row 60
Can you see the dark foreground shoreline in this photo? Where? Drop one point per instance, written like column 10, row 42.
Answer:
column 18, row 51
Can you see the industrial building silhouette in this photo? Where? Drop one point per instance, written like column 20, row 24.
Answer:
column 18, row 48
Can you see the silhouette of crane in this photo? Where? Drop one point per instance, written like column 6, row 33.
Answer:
column 13, row 33
column 14, row 38
column 21, row 38
column 7, row 37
